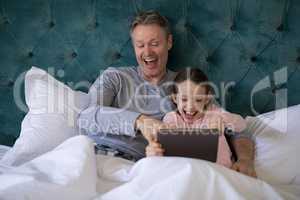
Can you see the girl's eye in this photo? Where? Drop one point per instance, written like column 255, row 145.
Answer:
column 198, row 100
column 184, row 100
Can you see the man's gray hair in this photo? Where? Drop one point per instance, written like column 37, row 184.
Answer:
column 151, row 17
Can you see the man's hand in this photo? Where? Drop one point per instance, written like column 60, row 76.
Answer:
column 244, row 148
column 154, row 149
column 233, row 121
column 149, row 127
column 245, row 166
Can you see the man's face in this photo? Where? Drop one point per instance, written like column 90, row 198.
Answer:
column 151, row 47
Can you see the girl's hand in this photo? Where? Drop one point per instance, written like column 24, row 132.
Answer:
column 154, row 149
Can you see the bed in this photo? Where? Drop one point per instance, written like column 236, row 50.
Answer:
column 51, row 157
column 43, row 155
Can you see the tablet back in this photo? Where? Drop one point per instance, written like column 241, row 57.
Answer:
column 193, row 143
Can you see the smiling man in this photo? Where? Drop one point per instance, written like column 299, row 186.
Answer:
column 133, row 100
column 151, row 45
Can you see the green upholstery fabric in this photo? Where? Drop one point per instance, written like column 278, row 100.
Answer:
column 240, row 41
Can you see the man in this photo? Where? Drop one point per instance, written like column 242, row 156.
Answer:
column 134, row 99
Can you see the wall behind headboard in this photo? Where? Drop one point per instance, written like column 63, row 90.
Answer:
column 243, row 45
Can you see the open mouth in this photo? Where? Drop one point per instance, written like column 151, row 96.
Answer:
column 150, row 60
column 189, row 114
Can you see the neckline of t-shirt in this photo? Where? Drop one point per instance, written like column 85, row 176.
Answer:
column 165, row 77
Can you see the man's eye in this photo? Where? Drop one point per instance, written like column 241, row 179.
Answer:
column 198, row 100
column 155, row 44
column 139, row 45
column 183, row 100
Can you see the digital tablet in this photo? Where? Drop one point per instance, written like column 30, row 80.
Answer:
column 190, row 142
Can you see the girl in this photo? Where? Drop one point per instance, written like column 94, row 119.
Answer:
column 197, row 109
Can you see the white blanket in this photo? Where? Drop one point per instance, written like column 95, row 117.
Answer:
column 73, row 171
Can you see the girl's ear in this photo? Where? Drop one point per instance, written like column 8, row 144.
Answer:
column 209, row 98
column 207, row 101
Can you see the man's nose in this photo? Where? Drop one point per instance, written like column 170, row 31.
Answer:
column 147, row 50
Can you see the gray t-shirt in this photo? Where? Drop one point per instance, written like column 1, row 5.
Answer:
column 119, row 96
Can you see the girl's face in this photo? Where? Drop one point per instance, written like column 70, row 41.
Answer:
column 191, row 100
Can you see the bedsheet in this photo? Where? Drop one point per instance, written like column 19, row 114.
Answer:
column 73, row 171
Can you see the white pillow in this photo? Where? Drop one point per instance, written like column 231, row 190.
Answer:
column 3, row 150
column 53, row 110
column 277, row 137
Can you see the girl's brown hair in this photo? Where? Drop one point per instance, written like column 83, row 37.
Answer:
column 193, row 74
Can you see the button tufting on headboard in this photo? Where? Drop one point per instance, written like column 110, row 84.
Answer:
column 74, row 55
column 51, row 24
column 10, row 83
column 253, row 59
column 117, row 56
column 6, row 22
column 30, row 54
column 280, row 28
column 233, row 27
column 209, row 58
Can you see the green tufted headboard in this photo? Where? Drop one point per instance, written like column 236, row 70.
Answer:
column 245, row 46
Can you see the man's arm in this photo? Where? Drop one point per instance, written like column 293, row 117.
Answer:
column 101, row 116
column 244, row 148
column 242, row 143
column 104, row 119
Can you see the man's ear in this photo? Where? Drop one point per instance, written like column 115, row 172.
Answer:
column 170, row 41
column 174, row 98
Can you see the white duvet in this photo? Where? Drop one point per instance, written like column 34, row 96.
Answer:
column 73, row 171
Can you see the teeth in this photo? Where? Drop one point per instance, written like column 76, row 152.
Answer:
column 190, row 113
column 149, row 59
